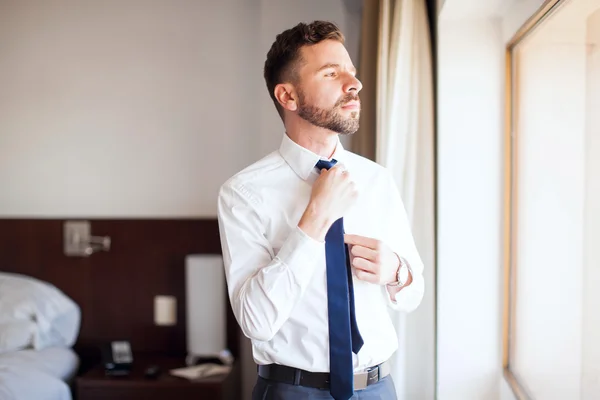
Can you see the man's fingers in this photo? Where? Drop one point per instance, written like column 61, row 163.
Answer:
column 361, row 241
column 366, row 276
column 364, row 252
column 364, row 265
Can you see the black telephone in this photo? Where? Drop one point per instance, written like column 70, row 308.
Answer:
column 117, row 358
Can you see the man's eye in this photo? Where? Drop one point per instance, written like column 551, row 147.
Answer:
column 330, row 74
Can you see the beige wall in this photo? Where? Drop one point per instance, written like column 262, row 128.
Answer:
column 138, row 108
column 124, row 108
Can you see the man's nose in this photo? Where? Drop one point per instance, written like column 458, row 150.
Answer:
column 353, row 85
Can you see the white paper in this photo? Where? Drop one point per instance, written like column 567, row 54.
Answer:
column 200, row 371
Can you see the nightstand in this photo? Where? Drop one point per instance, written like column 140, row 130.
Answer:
column 95, row 385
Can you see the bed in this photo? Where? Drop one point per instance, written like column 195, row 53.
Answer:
column 38, row 326
column 38, row 374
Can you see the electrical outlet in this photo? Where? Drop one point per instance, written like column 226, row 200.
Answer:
column 76, row 237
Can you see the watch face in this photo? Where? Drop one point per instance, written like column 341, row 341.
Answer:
column 403, row 274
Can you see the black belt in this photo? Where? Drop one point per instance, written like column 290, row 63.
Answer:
column 320, row 380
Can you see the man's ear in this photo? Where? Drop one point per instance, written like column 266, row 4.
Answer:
column 286, row 96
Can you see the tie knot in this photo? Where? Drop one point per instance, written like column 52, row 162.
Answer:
column 325, row 164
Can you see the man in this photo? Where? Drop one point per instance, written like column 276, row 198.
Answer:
column 316, row 243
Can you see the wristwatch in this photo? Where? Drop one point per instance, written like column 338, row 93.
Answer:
column 402, row 274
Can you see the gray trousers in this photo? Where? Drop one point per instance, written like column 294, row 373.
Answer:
column 271, row 390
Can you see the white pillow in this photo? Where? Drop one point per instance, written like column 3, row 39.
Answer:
column 16, row 335
column 55, row 316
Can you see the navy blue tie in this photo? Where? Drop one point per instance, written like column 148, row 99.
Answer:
column 344, row 337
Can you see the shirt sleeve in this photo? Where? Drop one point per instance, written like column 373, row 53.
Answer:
column 401, row 240
column 263, row 287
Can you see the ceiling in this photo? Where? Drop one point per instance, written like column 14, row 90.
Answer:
column 473, row 9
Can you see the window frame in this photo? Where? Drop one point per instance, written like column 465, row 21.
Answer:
column 510, row 184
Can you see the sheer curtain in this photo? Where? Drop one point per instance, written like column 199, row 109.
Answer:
column 396, row 60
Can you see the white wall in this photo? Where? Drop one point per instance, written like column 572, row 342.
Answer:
column 516, row 13
column 506, row 392
column 469, row 209
column 138, row 108
column 470, row 177
column 590, row 381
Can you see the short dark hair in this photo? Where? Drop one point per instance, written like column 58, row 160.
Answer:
column 284, row 54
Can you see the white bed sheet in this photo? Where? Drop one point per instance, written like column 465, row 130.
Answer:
column 37, row 374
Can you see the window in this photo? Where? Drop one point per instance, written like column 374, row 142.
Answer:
column 553, row 204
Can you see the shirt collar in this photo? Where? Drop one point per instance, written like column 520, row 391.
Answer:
column 302, row 160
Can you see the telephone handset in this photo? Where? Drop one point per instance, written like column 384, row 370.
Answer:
column 117, row 358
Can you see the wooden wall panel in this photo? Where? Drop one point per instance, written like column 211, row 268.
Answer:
column 116, row 289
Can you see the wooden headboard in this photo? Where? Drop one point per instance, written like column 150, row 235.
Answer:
column 116, row 289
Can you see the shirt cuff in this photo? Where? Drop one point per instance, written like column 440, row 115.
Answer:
column 300, row 253
column 409, row 298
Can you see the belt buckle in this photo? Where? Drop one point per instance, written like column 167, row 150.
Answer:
column 361, row 380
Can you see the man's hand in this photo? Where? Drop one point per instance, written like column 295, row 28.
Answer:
column 333, row 193
column 372, row 259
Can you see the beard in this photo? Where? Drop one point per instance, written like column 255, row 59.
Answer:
column 330, row 118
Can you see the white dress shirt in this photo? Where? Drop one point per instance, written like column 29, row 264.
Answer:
column 276, row 273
